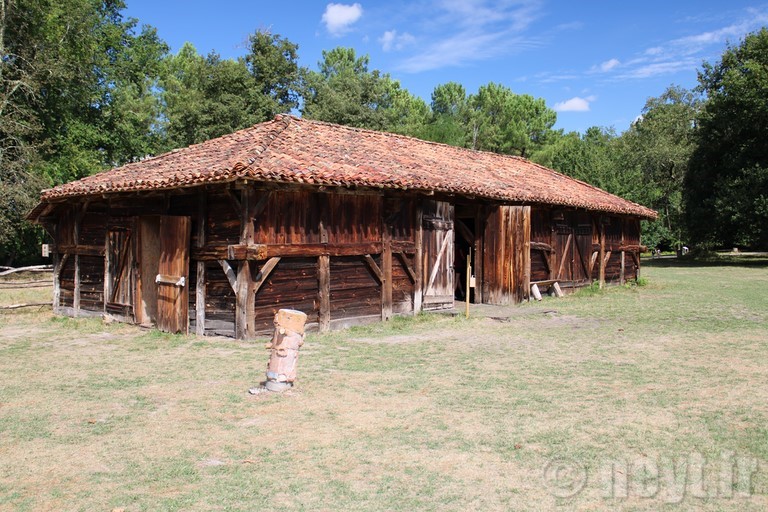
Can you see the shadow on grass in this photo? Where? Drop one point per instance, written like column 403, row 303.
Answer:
column 755, row 260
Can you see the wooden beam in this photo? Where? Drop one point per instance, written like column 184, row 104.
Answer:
column 76, row 297
column 526, row 254
column 107, row 263
column 602, row 253
column 433, row 273
column 324, row 293
column 418, row 260
column 378, row 274
column 261, row 204
column 76, row 240
column 406, row 265
column 200, row 291
column 547, row 263
column 404, row 246
column 120, row 266
column 81, row 250
column 230, row 273
column 235, row 202
column 621, row 272
column 386, row 262
column 478, row 259
column 633, row 248
column 564, row 257
column 258, row 252
column 592, row 261
column 264, row 273
column 540, row 246
column 464, row 231
column 245, row 307
column 59, row 264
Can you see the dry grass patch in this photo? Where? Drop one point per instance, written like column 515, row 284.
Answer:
column 430, row 413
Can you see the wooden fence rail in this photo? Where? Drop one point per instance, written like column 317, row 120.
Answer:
column 15, row 285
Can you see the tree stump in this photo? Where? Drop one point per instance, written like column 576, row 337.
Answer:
column 284, row 349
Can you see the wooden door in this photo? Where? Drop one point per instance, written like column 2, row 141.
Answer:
column 564, row 242
column 438, row 255
column 582, row 249
column 172, row 275
column 118, row 292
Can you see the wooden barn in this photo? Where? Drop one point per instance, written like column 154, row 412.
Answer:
column 342, row 223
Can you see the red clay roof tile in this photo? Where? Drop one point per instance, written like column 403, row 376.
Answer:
column 293, row 150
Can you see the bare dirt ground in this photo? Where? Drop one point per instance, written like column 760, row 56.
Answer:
column 640, row 398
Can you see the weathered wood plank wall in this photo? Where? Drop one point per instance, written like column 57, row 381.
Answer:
column 566, row 246
column 336, row 256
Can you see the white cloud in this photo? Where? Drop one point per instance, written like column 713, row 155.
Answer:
column 606, row 66
column 392, row 40
column 662, row 68
column 686, row 53
column 465, row 31
column 338, row 18
column 698, row 41
column 575, row 104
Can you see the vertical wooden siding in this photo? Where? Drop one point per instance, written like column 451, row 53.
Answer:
column 506, row 257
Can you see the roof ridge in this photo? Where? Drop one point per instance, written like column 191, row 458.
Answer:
column 283, row 121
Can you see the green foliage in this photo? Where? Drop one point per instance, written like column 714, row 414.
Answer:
column 343, row 91
column 659, row 145
column 726, row 187
column 76, row 89
column 206, row 97
column 494, row 119
column 83, row 89
column 272, row 61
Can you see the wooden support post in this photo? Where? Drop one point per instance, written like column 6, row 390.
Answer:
column 418, row 261
column 58, row 266
column 558, row 292
column 245, row 313
column 230, row 273
column 602, row 253
column 526, row 263
column 621, row 272
column 107, row 275
column 324, row 292
column 202, row 221
column 386, row 263
column 479, row 237
column 76, row 241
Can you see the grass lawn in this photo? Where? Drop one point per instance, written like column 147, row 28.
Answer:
column 637, row 398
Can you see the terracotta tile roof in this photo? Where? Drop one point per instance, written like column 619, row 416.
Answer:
column 292, row 150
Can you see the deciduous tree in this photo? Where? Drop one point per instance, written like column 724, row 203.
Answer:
column 726, row 186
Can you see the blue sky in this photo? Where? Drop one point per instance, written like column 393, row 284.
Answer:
column 595, row 62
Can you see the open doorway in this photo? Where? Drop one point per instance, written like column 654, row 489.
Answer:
column 464, row 250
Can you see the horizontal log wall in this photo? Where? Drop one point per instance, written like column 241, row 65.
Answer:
column 365, row 246
column 560, row 248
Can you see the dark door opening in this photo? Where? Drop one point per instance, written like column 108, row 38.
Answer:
column 464, row 248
